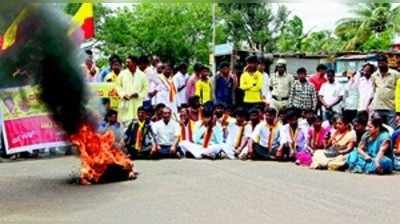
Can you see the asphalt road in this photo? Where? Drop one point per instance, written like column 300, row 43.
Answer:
column 189, row 191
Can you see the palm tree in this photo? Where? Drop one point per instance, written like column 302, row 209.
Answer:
column 372, row 18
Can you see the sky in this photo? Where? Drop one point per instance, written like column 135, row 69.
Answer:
column 316, row 14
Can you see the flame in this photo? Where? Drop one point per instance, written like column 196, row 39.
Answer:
column 98, row 153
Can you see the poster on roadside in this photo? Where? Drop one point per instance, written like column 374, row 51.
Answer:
column 26, row 123
column 106, row 90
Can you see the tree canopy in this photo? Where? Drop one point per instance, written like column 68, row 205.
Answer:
column 183, row 31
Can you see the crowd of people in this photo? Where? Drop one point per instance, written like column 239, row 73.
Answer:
column 311, row 120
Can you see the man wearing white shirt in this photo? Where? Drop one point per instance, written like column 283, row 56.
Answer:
column 265, row 91
column 166, row 133
column 365, row 88
column 264, row 141
column 152, row 78
column 237, row 132
column 180, row 81
column 166, row 89
column 255, row 118
column 330, row 95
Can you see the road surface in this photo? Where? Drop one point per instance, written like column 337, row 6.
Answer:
column 189, row 191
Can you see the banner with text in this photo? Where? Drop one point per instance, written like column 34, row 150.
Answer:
column 26, row 122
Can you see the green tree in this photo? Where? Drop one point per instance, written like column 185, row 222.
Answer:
column 292, row 35
column 254, row 24
column 372, row 20
column 174, row 31
column 321, row 42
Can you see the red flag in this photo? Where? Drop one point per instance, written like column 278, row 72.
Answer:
column 84, row 20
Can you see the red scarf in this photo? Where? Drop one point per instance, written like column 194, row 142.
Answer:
column 207, row 137
column 189, row 134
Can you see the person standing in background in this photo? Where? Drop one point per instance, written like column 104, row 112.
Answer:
column 166, row 90
column 116, row 67
column 330, row 96
column 302, row 94
column 266, row 93
column 152, row 80
column 224, row 86
column 384, row 81
column 280, row 84
column 89, row 67
column 365, row 88
column 350, row 96
column 181, row 79
column 203, row 87
column 132, row 86
column 317, row 80
column 251, row 82
column 191, row 85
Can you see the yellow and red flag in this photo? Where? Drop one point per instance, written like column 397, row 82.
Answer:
column 9, row 38
column 84, row 20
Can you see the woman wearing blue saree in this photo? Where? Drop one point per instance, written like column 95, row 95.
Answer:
column 374, row 154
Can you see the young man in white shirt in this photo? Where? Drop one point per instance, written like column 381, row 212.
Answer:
column 166, row 140
column 264, row 141
column 152, row 77
column 255, row 118
column 236, row 136
column 180, row 80
column 331, row 95
column 265, row 91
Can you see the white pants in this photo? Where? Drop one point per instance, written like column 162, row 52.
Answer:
column 211, row 151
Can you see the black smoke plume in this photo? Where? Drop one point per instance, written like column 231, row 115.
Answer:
column 45, row 54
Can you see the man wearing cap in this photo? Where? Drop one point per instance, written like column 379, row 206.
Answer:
column 251, row 82
column 384, row 81
column 281, row 82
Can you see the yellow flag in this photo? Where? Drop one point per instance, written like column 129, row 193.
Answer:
column 10, row 35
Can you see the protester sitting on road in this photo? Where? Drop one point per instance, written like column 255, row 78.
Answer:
column 264, row 141
column 374, row 154
column 186, row 124
column 317, row 135
column 396, row 145
column 223, row 117
column 139, row 136
column 166, row 139
column 111, row 123
column 195, row 109
column 292, row 141
column 360, row 125
column 340, row 144
column 158, row 111
column 255, row 117
column 236, row 139
column 208, row 137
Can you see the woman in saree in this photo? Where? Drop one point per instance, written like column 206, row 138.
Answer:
column 374, row 154
column 339, row 144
